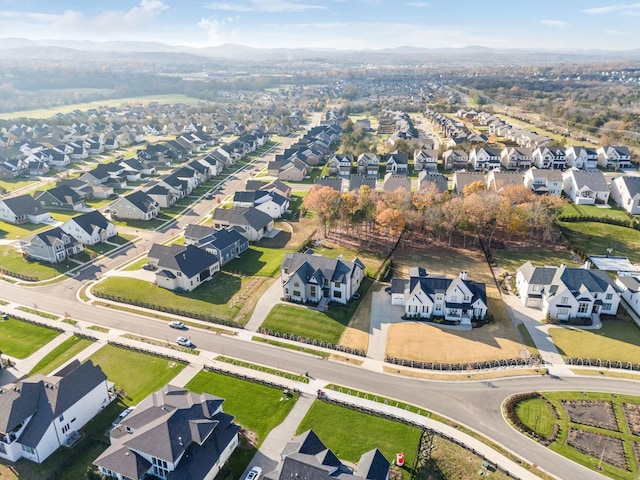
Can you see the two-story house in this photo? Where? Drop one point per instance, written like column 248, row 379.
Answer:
column 544, row 181
column 584, row 158
column 614, row 157
column 484, row 158
column 625, row 191
column 90, row 228
column 53, row 246
column 182, row 268
column 586, row 187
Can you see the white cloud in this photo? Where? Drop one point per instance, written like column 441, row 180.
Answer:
column 632, row 9
column 554, row 23
column 418, row 4
column 270, row 6
column 212, row 29
column 616, row 32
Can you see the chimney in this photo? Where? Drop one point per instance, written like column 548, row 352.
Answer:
column 463, row 275
column 587, row 265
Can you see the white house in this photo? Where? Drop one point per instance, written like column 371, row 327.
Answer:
column 182, row 268
column 427, row 296
column 586, row 187
column 484, row 158
column 565, row 293
column 625, row 191
column 616, row 157
column 581, row 157
column 543, row 181
column 173, row 434
column 314, row 278
column 271, row 203
column 41, row 413
column 630, row 286
column 90, row 228
column 549, row 157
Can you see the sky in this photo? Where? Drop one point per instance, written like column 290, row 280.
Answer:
column 335, row 24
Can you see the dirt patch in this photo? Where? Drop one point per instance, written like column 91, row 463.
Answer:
column 610, row 449
column 356, row 335
column 636, row 449
column 632, row 415
column 248, row 439
column 355, row 338
column 594, row 414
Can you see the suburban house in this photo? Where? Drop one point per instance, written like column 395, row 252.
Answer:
column 274, row 186
column 625, row 191
column 163, row 196
column 61, row 197
column 393, row 182
column 135, row 206
column 306, row 457
column 586, row 187
column 368, row 164
column 90, row 228
column 39, row 414
column 549, row 157
column 455, row 159
column 516, row 158
column 544, row 181
column 341, row 165
column 630, row 287
column 427, row 296
column 427, row 178
column 22, row 209
column 497, row 180
column 271, row 203
column 565, row 293
column 314, row 278
column 173, row 434
column 581, row 157
column 53, row 246
column 225, row 243
column 614, row 157
column 182, row 268
column 359, row 180
column 252, row 223
column 484, row 158
column 426, row 159
column 397, row 163
column 462, row 178
column 332, row 182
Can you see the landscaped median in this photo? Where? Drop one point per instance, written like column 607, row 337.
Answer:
column 598, row 430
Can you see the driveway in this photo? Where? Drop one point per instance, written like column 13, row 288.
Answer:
column 383, row 314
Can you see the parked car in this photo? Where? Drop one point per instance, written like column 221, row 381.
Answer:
column 254, row 474
column 356, row 296
column 184, row 342
column 176, row 324
column 208, row 196
column 146, row 266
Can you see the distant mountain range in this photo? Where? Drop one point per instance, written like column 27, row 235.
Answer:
column 57, row 48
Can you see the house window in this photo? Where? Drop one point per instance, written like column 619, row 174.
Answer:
column 563, row 312
column 296, row 293
column 466, row 298
column 312, row 290
column 454, row 298
column 296, row 284
column 535, row 288
column 564, row 300
column 606, row 307
column 28, row 449
column 337, row 294
column 336, row 284
column 583, row 308
column 608, row 296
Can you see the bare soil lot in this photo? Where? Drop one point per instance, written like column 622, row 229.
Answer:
column 594, row 414
column 610, row 449
column 632, row 415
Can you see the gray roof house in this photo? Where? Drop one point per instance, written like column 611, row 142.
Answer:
column 331, row 182
column 318, row 279
column 625, row 191
column 565, row 293
column 182, row 268
column 53, row 246
column 135, row 206
column 90, row 228
column 224, row 243
column 172, row 434
column 306, row 457
column 251, row 222
column 41, row 413
column 427, row 178
column 586, row 187
column 61, row 197
column 360, row 180
column 22, row 209
column 393, row 182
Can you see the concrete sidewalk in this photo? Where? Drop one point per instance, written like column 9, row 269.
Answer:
column 267, row 301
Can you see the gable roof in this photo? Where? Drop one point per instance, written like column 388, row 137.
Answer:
column 141, row 201
column 319, row 267
column 188, row 259
column 22, row 205
column 632, row 184
column 91, row 220
column 357, row 181
column 592, row 179
column 331, row 182
column 243, row 216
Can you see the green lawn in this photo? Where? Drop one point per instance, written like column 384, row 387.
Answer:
column 59, row 355
column 573, row 210
column 536, row 414
column 325, row 326
column 349, row 434
column 595, row 238
column 20, row 339
column 137, row 374
column 257, row 408
column 144, row 225
column 371, row 260
column 16, row 183
column 213, row 299
column 12, row 261
column 260, row 261
column 511, row 260
column 137, row 265
column 618, row 339
column 9, row 231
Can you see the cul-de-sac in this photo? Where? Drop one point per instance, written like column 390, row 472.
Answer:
column 354, row 263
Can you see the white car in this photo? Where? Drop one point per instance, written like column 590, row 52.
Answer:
column 254, row 474
column 176, row 324
column 183, row 342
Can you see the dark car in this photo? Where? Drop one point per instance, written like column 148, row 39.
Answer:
column 146, row 266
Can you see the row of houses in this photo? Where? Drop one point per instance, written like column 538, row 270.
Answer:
column 455, row 131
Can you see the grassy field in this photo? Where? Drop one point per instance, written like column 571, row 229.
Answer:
column 618, row 339
column 9, row 231
column 325, row 326
column 532, row 413
column 349, row 434
column 595, row 238
column 11, row 260
column 224, row 297
column 257, row 408
column 59, row 355
column 536, row 414
column 115, row 102
column 573, row 210
column 331, row 249
column 509, row 260
column 16, row 183
column 137, row 374
column 20, row 339
column 260, row 261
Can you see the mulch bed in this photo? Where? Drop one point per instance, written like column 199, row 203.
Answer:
column 594, row 414
column 636, row 449
column 632, row 414
column 610, row 449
